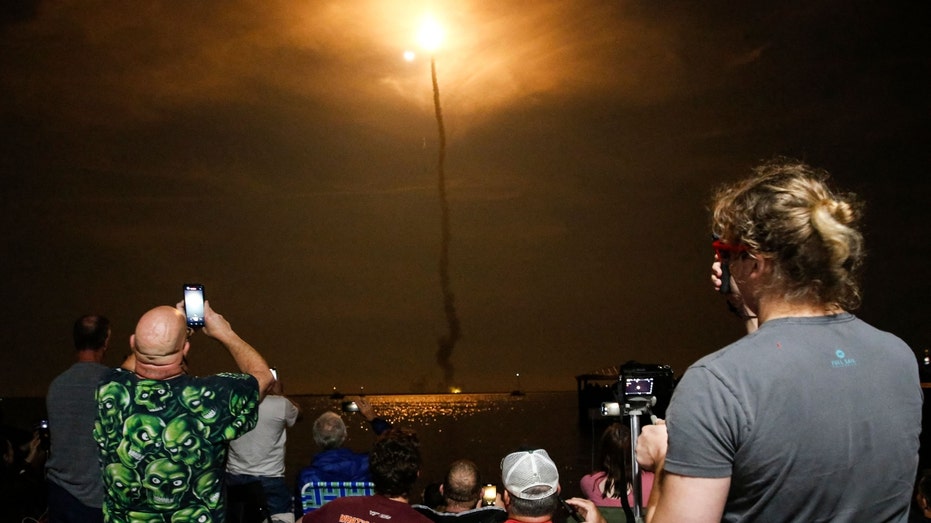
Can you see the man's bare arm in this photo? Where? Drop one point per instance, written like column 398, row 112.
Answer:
column 246, row 357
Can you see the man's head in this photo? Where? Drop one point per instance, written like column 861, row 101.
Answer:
column 160, row 343
column 531, row 483
column 329, row 431
column 924, row 493
column 395, row 462
column 461, row 488
column 91, row 332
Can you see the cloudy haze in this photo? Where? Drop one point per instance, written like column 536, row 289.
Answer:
column 284, row 154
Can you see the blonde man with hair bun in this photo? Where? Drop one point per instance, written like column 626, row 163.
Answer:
column 814, row 415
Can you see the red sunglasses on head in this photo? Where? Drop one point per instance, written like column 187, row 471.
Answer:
column 722, row 249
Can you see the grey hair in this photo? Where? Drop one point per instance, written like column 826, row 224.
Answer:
column 329, row 431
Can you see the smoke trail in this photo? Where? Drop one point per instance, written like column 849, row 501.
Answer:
column 447, row 341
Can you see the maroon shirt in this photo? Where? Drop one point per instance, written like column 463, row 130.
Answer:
column 365, row 509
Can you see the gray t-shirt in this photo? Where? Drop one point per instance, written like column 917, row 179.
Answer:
column 73, row 463
column 814, row 419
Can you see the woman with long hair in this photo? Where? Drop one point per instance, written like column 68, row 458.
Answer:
column 605, row 486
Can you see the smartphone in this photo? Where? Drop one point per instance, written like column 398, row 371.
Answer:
column 571, row 510
column 350, row 406
column 194, row 304
column 489, row 495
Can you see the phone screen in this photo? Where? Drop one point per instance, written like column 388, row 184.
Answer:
column 194, row 304
column 489, row 494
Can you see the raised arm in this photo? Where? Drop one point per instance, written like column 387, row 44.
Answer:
column 246, row 357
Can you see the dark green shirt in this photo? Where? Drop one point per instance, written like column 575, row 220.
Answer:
column 163, row 443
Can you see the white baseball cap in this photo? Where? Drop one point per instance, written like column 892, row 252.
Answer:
column 525, row 470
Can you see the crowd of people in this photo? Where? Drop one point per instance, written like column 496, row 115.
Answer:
column 149, row 442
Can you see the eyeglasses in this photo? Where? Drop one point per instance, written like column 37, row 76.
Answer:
column 724, row 250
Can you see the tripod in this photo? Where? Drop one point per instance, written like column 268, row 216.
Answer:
column 634, row 407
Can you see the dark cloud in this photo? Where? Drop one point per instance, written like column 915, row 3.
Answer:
column 284, row 154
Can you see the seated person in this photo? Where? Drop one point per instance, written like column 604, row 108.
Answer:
column 606, row 485
column 395, row 466
column 531, row 490
column 334, row 462
column 462, row 498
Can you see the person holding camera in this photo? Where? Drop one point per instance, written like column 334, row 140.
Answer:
column 814, row 415
column 531, row 490
column 464, row 498
column 75, row 487
column 163, row 434
column 335, row 462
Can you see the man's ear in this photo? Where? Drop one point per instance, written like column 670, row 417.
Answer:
column 441, row 490
column 760, row 266
column 187, row 347
column 506, row 497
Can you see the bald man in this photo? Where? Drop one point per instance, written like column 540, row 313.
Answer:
column 162, row 433
column 462, row 491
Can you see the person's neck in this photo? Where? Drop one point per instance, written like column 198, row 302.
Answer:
column 530, row 519
column 90, row 355
column 456, row 507
column 402, row 499
column 157, row 372
column 776, row 307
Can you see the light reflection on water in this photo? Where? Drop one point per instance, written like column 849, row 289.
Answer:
column 480, row 427
column 439, row 409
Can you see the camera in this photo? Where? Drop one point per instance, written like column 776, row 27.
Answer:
column 194, row 304
column 641, row 384
column 350, row 406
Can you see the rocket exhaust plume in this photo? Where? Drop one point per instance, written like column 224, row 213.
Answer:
column 445, row 342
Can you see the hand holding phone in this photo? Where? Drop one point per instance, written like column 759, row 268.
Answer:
column 571, row 510
column 194, row 304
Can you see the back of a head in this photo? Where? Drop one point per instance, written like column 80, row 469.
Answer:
column 787, row 213
column 462, row 482
column 615, row 455
column 91, row 332
column 162, row 331
column 329, row 431
column 394, row 462
column 532, row 482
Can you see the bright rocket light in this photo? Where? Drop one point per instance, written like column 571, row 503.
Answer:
column 430, row 35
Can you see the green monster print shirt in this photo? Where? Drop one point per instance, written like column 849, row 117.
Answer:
column 163, row 443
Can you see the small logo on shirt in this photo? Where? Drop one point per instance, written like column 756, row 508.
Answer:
column 842, row 360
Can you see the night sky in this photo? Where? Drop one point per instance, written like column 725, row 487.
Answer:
column 285, row 155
